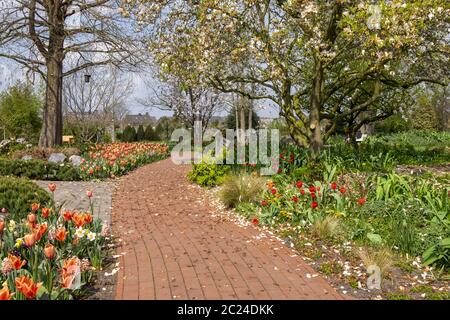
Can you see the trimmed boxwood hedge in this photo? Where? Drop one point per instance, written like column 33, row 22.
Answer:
column 17, row 195
column 38, row 170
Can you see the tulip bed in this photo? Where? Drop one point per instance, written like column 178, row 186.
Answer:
column 345, row 211
column 50, row 254
column 116, row 159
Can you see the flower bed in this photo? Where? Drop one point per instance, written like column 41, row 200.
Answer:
column 50, row 254
column 116, row 159
column 99, row 162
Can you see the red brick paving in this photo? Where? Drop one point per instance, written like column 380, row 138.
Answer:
column 176, row 248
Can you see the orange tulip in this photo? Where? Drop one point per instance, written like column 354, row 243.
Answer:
column 78, row 219
column 88, row 218
column 16, row 262
column 70, row 270
column 45, row 212
column 41, row 230
column 35, row 207
column 2, row 226
column 67, row 215
column 29, row 240
column 31, row 218
column 52, row 187
column 4, row 293
column 27, row 286
column 61, row 234
column 49, row 251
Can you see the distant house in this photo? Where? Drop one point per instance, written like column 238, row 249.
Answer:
column 136, row 120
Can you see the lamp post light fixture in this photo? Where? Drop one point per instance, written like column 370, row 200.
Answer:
column 87, row 78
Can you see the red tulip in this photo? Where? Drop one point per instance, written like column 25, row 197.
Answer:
column 295, row 199
column 88, row 218
column 45, row 212
column 334, row 186
column 16, row 262
column 314, row 204
column 299, row 184
column 61, row 234
column 27, row 287
column 49, row 251
column 52, row 187
column 35, row 207
column 31, row 218
column 302, row 192
column 313, row 195
column 342, row 190
column 29, row 240
column 255, row 221
column 67, row 215
column 4, row 293
column 264, row 203
column 2, row 226
column 361, row 201
column 273, row 191
column 312, row 189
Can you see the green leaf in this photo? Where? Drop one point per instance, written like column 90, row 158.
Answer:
column 374, row 238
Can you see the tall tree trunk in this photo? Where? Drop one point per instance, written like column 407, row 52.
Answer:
column 250, row 115
column 51, row 133
column 316, row 142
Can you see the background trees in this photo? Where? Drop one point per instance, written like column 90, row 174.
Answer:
column 338, row 61
column 189, row 103
column 56, row 38
column 93, row 107
column 20, row 112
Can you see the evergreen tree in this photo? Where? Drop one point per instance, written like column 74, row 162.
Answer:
column 150, row 134
column 140, row 135
column 129, row 134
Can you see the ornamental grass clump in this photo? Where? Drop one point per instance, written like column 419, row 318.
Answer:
column 240, row 189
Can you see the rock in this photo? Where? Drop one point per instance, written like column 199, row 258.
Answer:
column 27, row 157
column 21, row 140
column 4, row 143
column 57, row 158
column 76, row 160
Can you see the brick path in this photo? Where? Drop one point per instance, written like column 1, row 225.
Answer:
column 173, row 247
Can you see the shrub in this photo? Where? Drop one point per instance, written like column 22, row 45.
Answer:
column 17, row 195
column 140, row 135
column 241, row 188
column 38, row 170
column 129, row 134
column 208, row 175
column 150, row 134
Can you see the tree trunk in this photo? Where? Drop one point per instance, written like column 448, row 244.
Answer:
column 51, row 133
column 316, row 142
column 250, row 115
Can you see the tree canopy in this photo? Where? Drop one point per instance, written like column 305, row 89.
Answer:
column 321, row 62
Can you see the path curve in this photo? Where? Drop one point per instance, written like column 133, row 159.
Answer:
column 172, row 246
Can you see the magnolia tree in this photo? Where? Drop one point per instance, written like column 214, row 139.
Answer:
column 323, row 63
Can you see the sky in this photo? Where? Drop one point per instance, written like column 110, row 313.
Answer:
column 11, row 73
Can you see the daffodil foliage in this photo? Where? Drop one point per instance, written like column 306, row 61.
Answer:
column 324, row 63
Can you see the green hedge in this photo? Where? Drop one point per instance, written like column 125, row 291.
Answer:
column 17, row 195
column 38, row 170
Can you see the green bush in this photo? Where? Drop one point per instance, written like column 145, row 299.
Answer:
column 129, row 134
column 17, row 195
column 140, row 135
column 208, row 175
column 150, row 134
column 393, row 124
column 38, row 170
